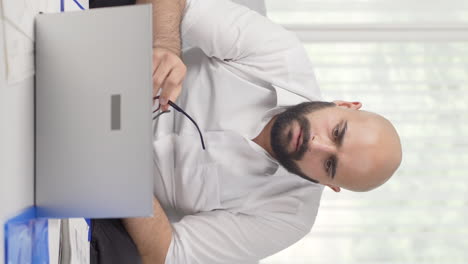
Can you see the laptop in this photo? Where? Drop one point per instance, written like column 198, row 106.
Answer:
column 93, row 117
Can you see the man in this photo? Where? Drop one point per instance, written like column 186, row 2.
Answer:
column 271, row 144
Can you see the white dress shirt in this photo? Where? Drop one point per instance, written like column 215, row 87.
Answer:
column 232, row 203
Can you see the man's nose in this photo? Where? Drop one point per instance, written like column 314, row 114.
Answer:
column 321, row 144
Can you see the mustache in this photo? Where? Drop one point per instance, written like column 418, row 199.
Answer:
column 305, row 128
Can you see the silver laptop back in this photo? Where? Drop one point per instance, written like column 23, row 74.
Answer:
column 94, row 154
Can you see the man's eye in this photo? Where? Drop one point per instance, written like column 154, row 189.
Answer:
column 336, row 133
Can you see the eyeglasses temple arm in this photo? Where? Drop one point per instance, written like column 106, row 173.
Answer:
column 193, row 121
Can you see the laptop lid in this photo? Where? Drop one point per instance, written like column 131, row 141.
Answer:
column 94, row 154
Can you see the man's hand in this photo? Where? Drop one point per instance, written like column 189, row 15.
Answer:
column 168, row 69
column 168, row 73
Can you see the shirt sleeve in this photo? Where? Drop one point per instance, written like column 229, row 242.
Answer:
column 250, row 46
column 224, row 237
column 233, row 32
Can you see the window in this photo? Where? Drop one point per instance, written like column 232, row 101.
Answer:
column 422, row 87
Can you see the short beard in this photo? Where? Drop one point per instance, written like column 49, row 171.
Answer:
column 279, row 140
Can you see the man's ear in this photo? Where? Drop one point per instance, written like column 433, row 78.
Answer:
column 352, row 105
column 334, row 188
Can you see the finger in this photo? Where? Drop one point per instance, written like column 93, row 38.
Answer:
column 174, row 82
column 173, row 97
column 160, row 76
column 156, row 64
column 155, row 101
column 172, row 87
column 157, row 58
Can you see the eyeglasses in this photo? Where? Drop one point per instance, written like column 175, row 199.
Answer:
column 176, row 107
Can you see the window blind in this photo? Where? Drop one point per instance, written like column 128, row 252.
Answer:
column 422, row 87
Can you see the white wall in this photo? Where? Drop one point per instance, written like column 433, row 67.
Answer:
column 16, row 145
column 17, row 118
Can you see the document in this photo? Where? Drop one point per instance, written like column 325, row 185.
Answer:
column 74, row 244
column 2, row 51
column 79, row 241
column 54, row 240
column 18, row 23
column 75, row 5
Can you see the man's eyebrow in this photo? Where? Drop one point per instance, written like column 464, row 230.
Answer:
column 339, row 139
column 339, row 142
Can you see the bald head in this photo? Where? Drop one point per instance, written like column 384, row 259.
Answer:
column 378, row 152
column 336, row 144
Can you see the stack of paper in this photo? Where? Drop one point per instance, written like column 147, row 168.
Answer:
column 54, row 240
column 17, row 18
column 74, row 245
